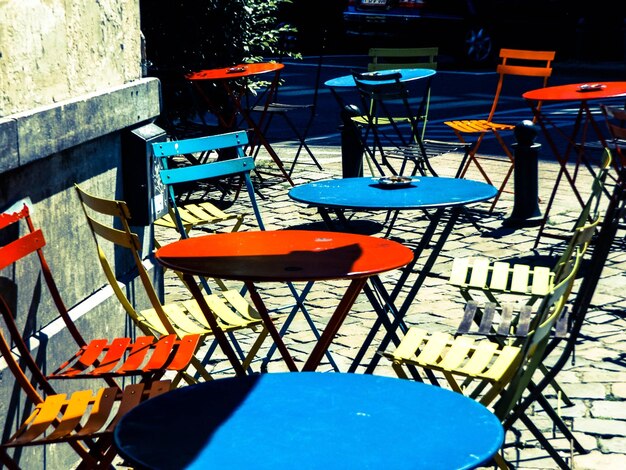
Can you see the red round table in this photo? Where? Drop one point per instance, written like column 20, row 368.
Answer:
column 572, row 92
column 580, row 93
column 224, row 76
column 284, row 256
column 237, row 71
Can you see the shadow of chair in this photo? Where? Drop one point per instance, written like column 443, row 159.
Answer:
column 513, row 63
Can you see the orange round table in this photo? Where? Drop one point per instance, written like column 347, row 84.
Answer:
column 574, row 92
column 237, row 71
column 224, row 76
column 285, row 256
column 577, row 92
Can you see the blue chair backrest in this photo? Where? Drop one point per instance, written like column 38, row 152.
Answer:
column 241, row 165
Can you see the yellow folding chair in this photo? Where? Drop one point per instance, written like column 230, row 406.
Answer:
column 232, row 311
column 496, row 375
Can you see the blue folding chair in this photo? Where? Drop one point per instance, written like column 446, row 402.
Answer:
column 241, row 165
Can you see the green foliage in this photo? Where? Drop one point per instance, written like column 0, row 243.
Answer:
column 197, row 34
column 188, row 35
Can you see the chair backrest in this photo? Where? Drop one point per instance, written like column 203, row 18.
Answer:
column 588, row 221
column 386, row 58
column 171, row 176
column 533, row 349
column 379, row 93
column 523, row 63
column 22, row 246
column 95, row 209
column 615, row 119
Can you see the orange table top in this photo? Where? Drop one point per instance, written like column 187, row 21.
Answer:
column 285, row 255
column 237, row 71
column 578, row 92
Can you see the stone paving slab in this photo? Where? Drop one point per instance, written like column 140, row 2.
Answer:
column 596, row 381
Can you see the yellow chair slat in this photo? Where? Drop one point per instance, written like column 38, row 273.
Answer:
column 456, row 353
column 241, row 305
column 480, row 359
column 506, row 362
column 520, row 278
column 410, row 343
column 434, row 348
column 542, row 281
column 500, row 276
column 480, row 272
column 459, row 269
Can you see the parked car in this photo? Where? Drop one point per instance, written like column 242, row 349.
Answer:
column 474, row 30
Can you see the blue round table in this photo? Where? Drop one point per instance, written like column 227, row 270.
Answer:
column 309, row 420
column 424, row 192
column 406, row 75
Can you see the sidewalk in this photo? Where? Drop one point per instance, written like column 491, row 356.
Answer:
column 596, row 381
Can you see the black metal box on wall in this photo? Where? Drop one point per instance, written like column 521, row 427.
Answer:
column 143, row 191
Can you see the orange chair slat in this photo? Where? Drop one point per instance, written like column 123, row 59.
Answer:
column 185, row 352
column 100, row 411
column 138, row 352
column 21, row 247
column 75, row 409
column 163, row 350
column 85, row 358
column 114, row 354
column 44, row 414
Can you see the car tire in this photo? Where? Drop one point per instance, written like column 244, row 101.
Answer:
column 478, row 48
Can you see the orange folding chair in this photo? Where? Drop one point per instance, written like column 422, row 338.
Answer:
column 145, row 357
column 84, row 419
column 513, row 62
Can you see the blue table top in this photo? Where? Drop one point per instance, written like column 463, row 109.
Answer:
column 406, row 75
column 365, row 193
column 310, row 420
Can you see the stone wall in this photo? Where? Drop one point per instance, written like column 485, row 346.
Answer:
column 71, row 91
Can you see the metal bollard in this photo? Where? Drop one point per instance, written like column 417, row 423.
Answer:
column 526, row 211
column 351, row 144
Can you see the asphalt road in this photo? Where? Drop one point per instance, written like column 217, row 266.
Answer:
column 456, row 93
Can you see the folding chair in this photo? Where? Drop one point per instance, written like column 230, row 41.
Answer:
column 146, row 358
column 389, row 58
column 287, row 111
column 232, row 311
column 195, row 214
column 514, row 62
column 615, row 119
column 496, row 375
column 239, row 166
column 480, row 279
column 394, row 127
column 84, row 420
column 612, row 222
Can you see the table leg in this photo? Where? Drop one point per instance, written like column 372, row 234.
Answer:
column 563, row 158
column 336, row 320
column 271, row 328
column 398, row 320
column 256, row 127
column 217, row 331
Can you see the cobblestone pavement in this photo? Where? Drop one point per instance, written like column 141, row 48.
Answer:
column 596, row 381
